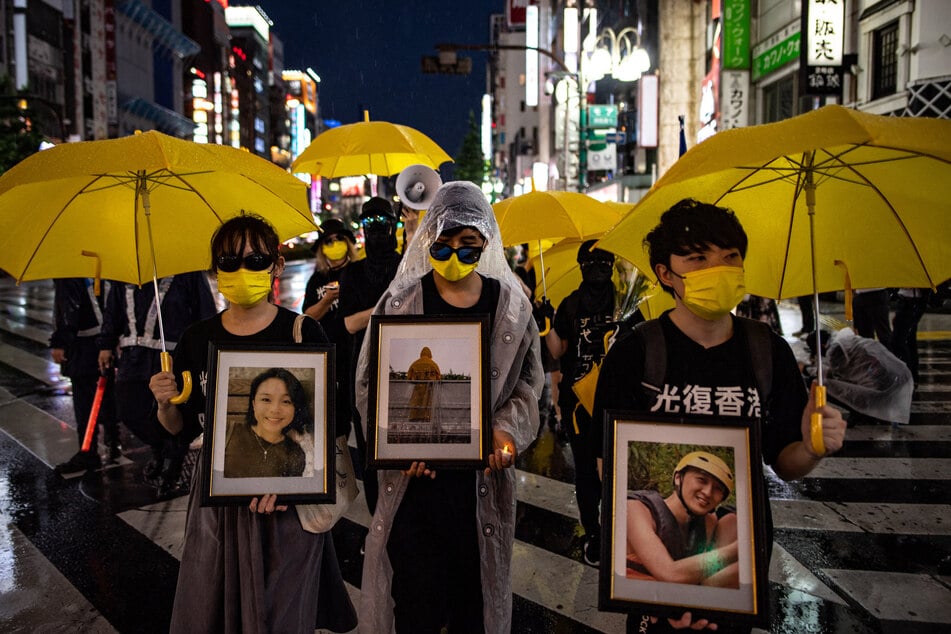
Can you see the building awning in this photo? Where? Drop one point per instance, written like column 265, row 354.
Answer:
column 165, row 120
column 164, row 32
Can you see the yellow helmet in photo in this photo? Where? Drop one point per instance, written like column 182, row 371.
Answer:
column 713, row 465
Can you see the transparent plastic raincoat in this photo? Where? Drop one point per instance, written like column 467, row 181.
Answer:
column 516, row 381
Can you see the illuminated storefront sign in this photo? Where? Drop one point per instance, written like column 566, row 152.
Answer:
column 776, row 51
column 736, row 34
column 823, row 28
column 734, row 99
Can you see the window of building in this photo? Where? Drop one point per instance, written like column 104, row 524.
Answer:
column 885, row 61
column 778, row 100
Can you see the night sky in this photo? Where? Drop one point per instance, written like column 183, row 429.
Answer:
column 367, row 53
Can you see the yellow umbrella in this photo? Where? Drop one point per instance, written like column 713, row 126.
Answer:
column 552, row 215
column 368, row 147
column 832, row 185
column 86, row 209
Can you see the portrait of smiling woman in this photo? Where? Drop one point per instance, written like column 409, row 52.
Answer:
column 262, row 445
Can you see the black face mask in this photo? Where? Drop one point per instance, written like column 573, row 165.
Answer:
column 379, row 243
column 596, row 272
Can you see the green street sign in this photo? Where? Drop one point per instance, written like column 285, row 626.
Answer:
column 604, row 116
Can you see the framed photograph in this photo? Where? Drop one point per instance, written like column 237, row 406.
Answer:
column 429, row 391
column 269, row 424
column 684, row 519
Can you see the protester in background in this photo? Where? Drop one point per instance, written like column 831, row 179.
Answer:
column 440, row 551
column 808, row 312
column 583, row 321
column 761, row 309
column 131, row 341
column 77, row 320
column 247, row 568
column 361, row 285
column 334, row 251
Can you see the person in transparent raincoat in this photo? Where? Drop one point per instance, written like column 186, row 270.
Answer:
column 439, row 551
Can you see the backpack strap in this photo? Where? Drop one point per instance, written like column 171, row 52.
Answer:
column 758, row 337
column 655, row 353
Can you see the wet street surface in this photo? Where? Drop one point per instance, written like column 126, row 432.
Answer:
column 861, row 545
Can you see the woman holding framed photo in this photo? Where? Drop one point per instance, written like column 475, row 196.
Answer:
column 247, row 568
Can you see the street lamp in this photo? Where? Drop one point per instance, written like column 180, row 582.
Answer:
column 623, row 59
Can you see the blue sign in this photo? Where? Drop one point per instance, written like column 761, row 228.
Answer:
column 615, row 137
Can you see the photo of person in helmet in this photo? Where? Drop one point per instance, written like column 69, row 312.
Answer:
column 680, row 538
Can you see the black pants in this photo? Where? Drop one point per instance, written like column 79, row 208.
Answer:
column 84, row 393
column 808, row 312
column 587, row 482
column 905, row 331
column 871, row 316
column 434, row 551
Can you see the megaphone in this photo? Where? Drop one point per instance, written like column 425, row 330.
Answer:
column 416, row 186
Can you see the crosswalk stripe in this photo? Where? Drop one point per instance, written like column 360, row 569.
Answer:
column 40, row 369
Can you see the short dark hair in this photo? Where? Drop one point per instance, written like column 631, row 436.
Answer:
column 234, row 234
column 587, row 252
column 302, row 418
column 691, row 226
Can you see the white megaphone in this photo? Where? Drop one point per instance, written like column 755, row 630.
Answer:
column 416, row 185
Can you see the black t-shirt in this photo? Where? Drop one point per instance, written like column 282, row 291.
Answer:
column 434, row 304
column 717, row 381
column 332, row 321
column 191, row 354
column 584, row 333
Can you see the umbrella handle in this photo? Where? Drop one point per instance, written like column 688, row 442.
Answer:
column 181, row 397
column 547, row 328
column 815, row 421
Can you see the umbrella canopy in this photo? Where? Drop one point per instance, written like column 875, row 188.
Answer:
column 552, row 215
column 879, row 189
column 369, row 147
column 66, row 210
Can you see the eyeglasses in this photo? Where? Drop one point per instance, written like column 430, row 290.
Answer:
column 377, row 223
column 467, row 255
column 252, row 262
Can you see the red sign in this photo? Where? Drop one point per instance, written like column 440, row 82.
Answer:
column 515, row 12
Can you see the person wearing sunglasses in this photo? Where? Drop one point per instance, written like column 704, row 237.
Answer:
column 439, row 554
column 361, row 285
column 246, row 568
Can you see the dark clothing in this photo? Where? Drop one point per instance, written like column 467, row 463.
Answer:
column 243, row 571
column 761, row 309
column 870, row 314
column 677, row 543
column 77, row 321
column 434, row 544
column 584, row 330
column 717, row 382
column 911, row 307
column 130, row 326
column 247, row 455
column 808, row 311
column 332, row 323
column 434, row 551
column 362, row 283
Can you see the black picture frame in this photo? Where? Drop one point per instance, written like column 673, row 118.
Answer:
column 643, row 451
column 237, row 463
column 446, row 422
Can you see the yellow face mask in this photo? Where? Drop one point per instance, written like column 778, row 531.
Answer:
column 714, row 292
column 243, row 287
column 452, row 269
column 335, row 250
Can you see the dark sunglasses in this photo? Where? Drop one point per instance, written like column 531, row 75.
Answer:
column 252, row 262
column 467, row 255
column 376, row 223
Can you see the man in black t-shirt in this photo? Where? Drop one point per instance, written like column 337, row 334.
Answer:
column 577, row 340
column 697, row 253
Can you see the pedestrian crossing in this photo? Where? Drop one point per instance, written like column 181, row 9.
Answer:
column 857, row 544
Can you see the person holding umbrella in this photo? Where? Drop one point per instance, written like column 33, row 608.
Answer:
column 254, row 568
column 697, row 251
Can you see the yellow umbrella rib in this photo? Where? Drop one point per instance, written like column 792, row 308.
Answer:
column 897, row 218
column 50, row 226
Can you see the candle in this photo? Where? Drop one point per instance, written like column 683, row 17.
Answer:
column 506, row 453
